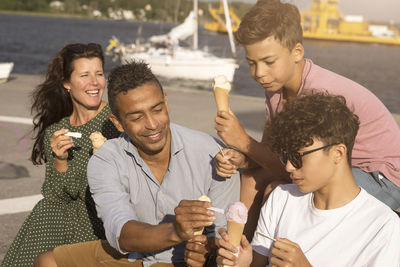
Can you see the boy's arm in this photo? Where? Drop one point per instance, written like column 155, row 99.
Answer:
column 259, row 155
column 259, row 260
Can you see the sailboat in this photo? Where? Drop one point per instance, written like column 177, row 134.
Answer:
column 184, row 63
column 5, row 70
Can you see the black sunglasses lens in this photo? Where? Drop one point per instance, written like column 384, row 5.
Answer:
column 295, row 159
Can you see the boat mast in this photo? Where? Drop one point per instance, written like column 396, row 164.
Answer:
column 229, row 27
column 195, row 35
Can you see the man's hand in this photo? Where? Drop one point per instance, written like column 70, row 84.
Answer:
column 231, row 131
column 192, row 215
column 228, row 162
column 226, row 251
column 197, row 250
column 289, row 254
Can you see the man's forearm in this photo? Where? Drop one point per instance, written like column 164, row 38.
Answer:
column 142, row 237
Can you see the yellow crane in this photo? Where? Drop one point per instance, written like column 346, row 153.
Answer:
column 218, row 16
column 323, row 20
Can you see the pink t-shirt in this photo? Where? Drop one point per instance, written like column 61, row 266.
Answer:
column 377, row 145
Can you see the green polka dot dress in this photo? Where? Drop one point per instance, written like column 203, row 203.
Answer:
column 67, row 213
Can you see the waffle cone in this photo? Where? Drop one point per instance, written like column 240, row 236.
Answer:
column 221, row 96
column 235, row 232
column 97, row 140
column 202, row 198
column 199, row 232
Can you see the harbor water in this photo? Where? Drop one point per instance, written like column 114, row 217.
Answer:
column 31, row 41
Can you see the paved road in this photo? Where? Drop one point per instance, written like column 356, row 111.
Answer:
column 19, row 178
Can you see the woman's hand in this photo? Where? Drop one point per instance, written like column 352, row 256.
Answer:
column 60, row 143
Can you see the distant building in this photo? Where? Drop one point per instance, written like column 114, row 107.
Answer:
column 96, row 13
column 57, row 5
column 128, row 15
column 381, row 31
column 120, row 14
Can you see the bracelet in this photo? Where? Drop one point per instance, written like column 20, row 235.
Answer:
column 55, row 156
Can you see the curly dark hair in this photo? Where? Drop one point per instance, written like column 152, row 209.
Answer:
column 271, row 18
column 318, row 115
column 127, row 77
column 51, row 102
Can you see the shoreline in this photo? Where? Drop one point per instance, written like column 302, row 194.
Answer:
column 75, row 16
column 35, row 79
column 45, row 14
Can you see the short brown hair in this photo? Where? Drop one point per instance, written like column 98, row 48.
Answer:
column 271, row 18
column 319, row 115
column 129, row 76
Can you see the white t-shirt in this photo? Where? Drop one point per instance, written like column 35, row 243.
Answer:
column 364, row 232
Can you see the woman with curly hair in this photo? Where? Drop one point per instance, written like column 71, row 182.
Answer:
column 69, row 100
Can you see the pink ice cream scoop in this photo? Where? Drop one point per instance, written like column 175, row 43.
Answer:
column 236, row 212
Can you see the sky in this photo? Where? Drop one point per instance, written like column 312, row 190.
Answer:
column 372, row 10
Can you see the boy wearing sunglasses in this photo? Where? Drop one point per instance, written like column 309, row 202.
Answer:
column 271, row 35
column 324, row 218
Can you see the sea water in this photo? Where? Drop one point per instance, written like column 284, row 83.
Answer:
column 31, row 41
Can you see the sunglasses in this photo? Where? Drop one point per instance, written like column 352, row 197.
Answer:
column 296, row 157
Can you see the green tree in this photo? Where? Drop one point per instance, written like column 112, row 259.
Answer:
column 72, row 6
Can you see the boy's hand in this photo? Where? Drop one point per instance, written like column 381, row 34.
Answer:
column 228, row 162
column 192, row 215
column 231, row 131
column 197, row 251
column 226, row 251
column 287, row 253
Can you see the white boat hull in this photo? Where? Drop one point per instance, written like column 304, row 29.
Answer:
column 186, row 64
column 5, row 70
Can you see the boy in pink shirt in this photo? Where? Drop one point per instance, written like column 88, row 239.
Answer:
column 271, row 35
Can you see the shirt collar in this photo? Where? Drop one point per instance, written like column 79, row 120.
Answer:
column 176, row 144
column 176, row 140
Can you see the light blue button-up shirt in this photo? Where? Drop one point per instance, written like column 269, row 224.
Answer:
column 124, row 187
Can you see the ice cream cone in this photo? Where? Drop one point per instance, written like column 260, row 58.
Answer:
column 221, row 92
column 235, row 232
column 221, row 98
column 97, row 140
column 199, row 232
column 236, row 218
column 202, row 198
